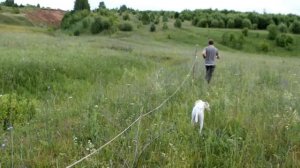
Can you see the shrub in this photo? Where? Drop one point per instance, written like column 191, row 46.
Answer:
column 71, row 18
column 245, row 31
column 15, row 110
column 282, row 28
column 126, row 16
column 273, row 31
column 177, row 23
column 165, row 26
column 145, row 18
column 202, row 23
column 264, row 47
column 152, row 28
column 157, row 19
column 246, row 23
column 214, row 23
column 284, row 40
column 76, row 33
column 85, row 23
column 230, row 23
column 165, row 18
column 232, row 41
column 126, row 26
column 295, row 27
column 97, row 26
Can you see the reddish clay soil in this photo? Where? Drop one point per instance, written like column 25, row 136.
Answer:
column 49, row 17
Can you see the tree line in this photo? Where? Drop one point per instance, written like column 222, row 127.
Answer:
column 208, row 17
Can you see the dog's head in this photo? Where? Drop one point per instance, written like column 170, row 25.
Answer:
column 203, row 103
column 206, row 106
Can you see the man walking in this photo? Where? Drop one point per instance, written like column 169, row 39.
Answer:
column 209, row 54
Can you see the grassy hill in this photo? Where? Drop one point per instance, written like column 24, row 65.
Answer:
column 30, row 16
column 69, row 95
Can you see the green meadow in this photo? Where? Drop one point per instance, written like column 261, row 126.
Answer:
column 82, row 91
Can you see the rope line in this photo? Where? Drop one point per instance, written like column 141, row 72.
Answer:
column 140, row 117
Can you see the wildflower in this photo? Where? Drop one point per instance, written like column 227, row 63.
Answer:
column 96, row 106
column 70, row 97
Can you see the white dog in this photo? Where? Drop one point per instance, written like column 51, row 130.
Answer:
column 198, row 112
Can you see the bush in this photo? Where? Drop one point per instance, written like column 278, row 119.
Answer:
column 177, row 23
column 126, row 16
column 246, row 23
column 282, row 28
column 232, row 41
column 85, row 23
column 245, row 31
column 295, row 27
column 76, row 33
column 152, row 28
column 214, row 23
column 71, row 18
column 126, row 26
column 284, row 40
column 264, row 47
column 165, row 26
column 145, row 18
column 230, row 23
column 15, row 110
column 97, row 26
column 165, row 18
column 273, row 31
column 202, row 23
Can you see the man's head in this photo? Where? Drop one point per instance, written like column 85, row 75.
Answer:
column 210, row 42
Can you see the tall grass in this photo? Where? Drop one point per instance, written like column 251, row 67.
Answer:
column 90, row 88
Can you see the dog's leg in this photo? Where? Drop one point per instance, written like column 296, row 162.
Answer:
column 201, row 120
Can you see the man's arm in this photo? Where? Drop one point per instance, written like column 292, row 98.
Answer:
column 204, row 53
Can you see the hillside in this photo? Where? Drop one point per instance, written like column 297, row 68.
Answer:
column 31, row 17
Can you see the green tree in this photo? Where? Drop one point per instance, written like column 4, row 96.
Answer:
column 102, row 5
column 284, row 40
column 245, row 31
column 176, row 15
column 9, row 2
column 81, row 5
column 295, row 27
column 230, row 23
column 282, row 28
column 152, row 28
column 273, row 31
column 246, row 23
column 145, row 18
column 123, row 8
column 177, row 23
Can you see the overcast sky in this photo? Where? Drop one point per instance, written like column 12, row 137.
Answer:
column 269, row 6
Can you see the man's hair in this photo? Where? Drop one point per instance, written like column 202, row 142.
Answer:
column 210, row 42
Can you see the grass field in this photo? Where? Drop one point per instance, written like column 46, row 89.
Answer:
column 88, row 89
